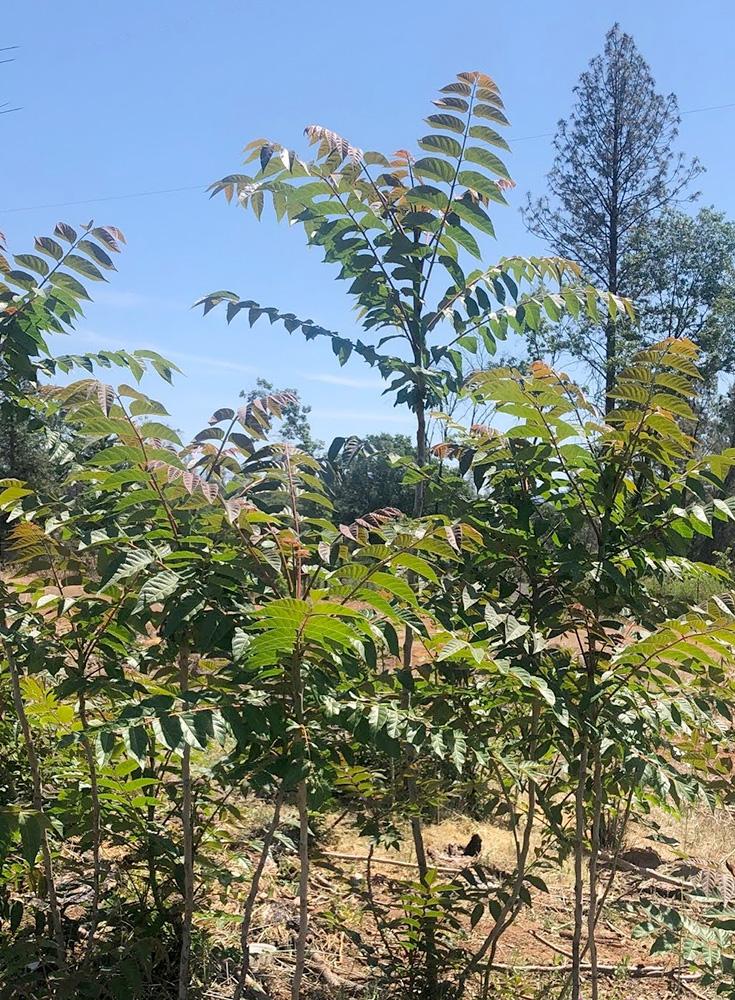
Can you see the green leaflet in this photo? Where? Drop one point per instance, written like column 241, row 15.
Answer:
column 472, row 213
column 31, row 825
column 476, row 181
column 158, row 588
column 417, row 565
column 394, row 585
column 446, row 121
column 155, row 429
column 476, row 154
column 124, row 566
column 168, row 731
column 433, row 166
column 136, row 741
column 441, row 144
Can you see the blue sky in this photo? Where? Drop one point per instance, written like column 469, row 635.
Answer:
column 122, row 98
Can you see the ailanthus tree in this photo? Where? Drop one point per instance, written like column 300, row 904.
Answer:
column 43, row 293
column 402, row 230
column 579, row 514
column 211, row 608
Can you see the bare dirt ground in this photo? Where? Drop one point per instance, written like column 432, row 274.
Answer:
column 541, row 935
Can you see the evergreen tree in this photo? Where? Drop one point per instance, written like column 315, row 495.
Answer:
column 614, row 170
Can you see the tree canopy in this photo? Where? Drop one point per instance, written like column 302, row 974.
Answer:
column 214, row 652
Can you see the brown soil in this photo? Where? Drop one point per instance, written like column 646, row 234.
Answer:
column 541, row 936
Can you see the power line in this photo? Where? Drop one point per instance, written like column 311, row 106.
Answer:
column 109, row 197
column 691, row 111
column 714, row 107
column 202, row 187
column 525, row 138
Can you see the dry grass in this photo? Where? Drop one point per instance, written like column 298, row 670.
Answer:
column 497, row 843
column 339, row 909
column 705, row 836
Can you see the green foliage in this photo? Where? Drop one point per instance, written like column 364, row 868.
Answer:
column 24, row 451
column 41, row 295
column 702, row 938
column 364, row 475
column 696, row 584
column 211, row 547
column 578, row 516
column 682, row 273
column 187, row 624
column 400, row 230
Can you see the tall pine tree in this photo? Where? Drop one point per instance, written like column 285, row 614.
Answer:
column 614, row 169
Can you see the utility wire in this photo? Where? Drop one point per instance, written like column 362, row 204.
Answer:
column 714, row 107
column 202, row 187
column 109, row 197
column 525, row 138
column 691, row 111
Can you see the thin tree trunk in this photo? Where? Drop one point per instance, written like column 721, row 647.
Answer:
column 150, row 772
column 429, row 924
column 594, row 857
column 419, row 847
column 297, row 694
column 187, row 824
column 421, row 454
column 613, row 266
column 610, row 367
column 35, row 769
column 12, row 449
column 247, row 913
column 303, row 890
column 580, row 826
column 96, row 827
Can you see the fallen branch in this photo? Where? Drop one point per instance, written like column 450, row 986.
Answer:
column 331, row 978
column 634, row 971
column 551, row 945
column 446, row 869
column 692, row 992
column 317, row 966
column 651, row 873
